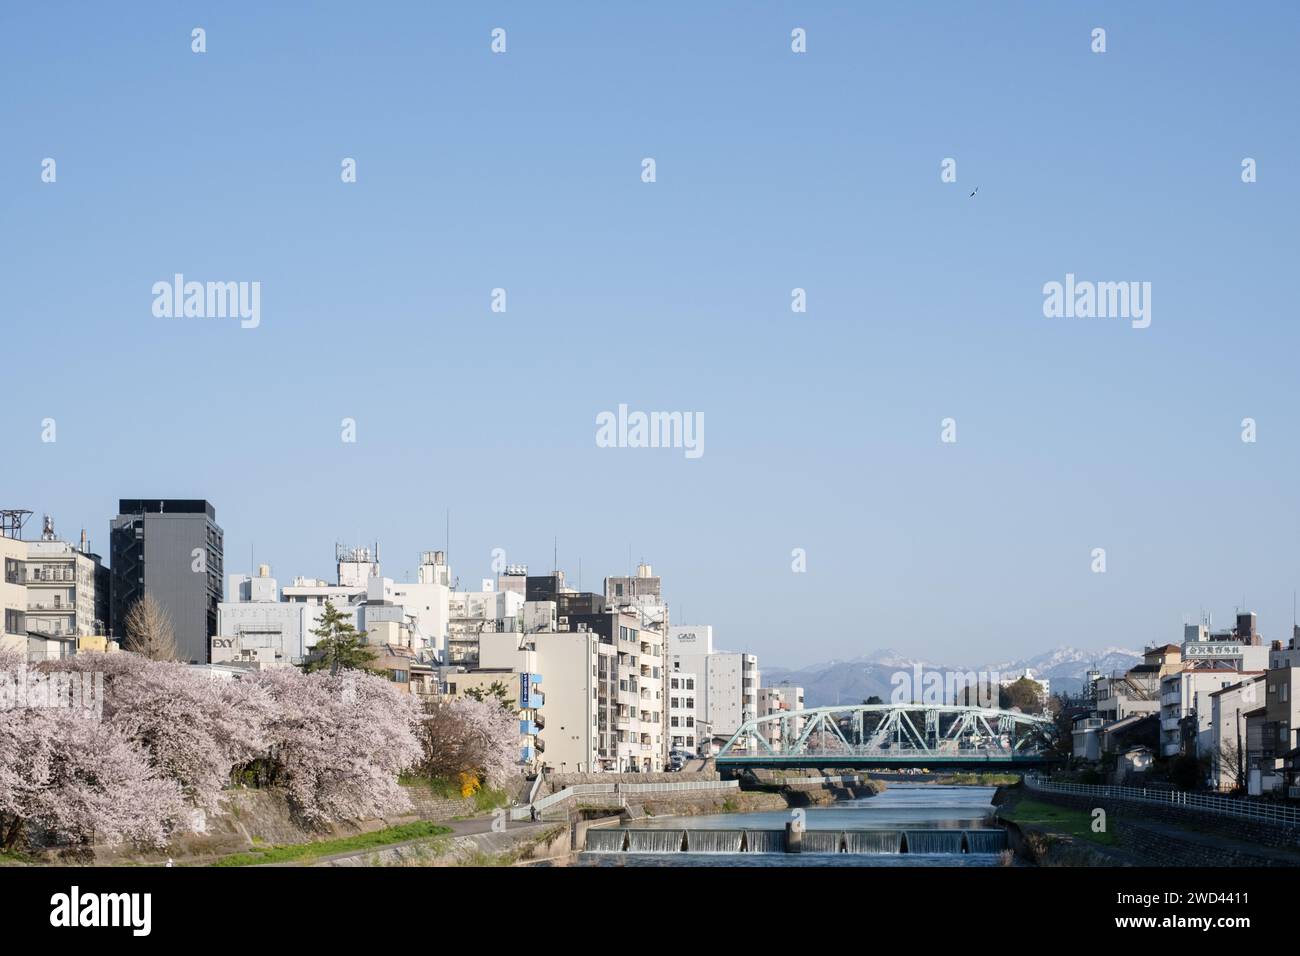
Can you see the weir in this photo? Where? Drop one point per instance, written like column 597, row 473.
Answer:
column 764, row 841
column 822, row 841
column 606, row 841
column 986, row 841
column 873, row 841
column 933, row 841
column 655, row 841
column 953, row 842
column 714, row 841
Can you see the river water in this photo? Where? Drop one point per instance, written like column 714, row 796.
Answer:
column 906, row 825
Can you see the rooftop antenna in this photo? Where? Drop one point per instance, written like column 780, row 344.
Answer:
column 555, row 554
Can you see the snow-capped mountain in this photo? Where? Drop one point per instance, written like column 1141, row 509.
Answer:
column 854, row 680
column 1067, row 667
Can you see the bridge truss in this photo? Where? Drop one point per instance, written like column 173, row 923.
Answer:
column 890, row 734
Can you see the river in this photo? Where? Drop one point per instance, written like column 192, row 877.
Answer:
column 905, row 825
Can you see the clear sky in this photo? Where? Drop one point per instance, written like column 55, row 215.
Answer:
column 775, row 170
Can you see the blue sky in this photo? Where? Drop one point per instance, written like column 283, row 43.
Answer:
column 774, row 171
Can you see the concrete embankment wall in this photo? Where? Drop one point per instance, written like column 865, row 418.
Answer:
column 1158, row 846
column 696, row 803
column 551, row 844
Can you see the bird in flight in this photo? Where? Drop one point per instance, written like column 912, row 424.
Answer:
column 977, row 189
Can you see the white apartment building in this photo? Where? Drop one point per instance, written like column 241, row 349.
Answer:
column 1210, row 661
column 775, row 700
column 1228, row 762
column 1187, row 694
column 13, row 591
column 639, row 739
column 604, row 707
column 728, row 681
column 682, row 700
column 472, row 614
column 67, row 587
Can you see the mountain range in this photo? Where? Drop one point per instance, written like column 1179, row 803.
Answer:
column 853, row 681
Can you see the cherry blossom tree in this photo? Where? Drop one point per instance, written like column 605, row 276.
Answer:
column 171, row 738
column 339, row 743
column 467, row 736
column 80, row 781
column 195, row 729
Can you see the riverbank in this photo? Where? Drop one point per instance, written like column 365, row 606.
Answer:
column 1052, row 829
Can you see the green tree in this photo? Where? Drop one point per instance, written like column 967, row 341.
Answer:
column 496, row 690
column 339, row 645
column 1024, row 694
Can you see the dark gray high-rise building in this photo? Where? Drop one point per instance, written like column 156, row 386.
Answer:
column 170, row 548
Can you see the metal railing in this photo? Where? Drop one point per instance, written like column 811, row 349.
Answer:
column 1203, row 802
column 620, row 791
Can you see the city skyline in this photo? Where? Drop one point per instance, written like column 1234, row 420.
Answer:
column 496, row 563
column 776, row 171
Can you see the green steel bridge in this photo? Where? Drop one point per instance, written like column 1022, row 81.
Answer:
column 882, row 736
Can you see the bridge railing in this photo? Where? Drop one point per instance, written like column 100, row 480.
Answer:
column 1261, row 810
column 854, row 750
